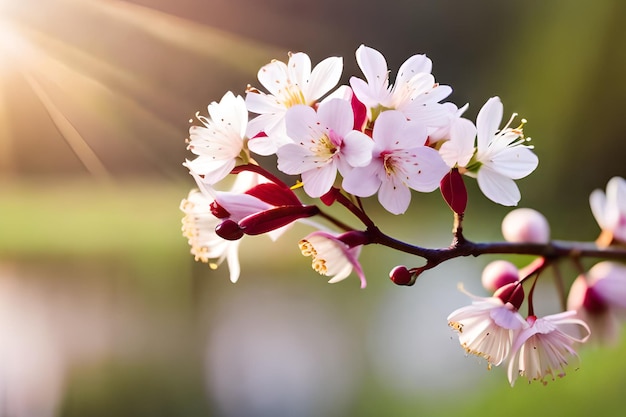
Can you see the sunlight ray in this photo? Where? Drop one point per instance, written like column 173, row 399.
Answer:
column 67, row 61
column 238, row 52
column 73, row 138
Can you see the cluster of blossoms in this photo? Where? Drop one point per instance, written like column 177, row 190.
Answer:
column 540, row 347
column 342, row 143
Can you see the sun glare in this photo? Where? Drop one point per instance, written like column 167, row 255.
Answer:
column 12, row 45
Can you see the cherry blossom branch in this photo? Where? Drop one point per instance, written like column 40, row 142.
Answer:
column 551, row 251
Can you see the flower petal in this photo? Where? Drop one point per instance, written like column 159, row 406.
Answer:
column 488, row 121
column 414, row 65
column 515, row 162
column 318, row 182
column 394, row 196
column 460, row 148
column 498, row 188
column 336, row 114
column 324, row 77
column 429, row 170
column 357, row 148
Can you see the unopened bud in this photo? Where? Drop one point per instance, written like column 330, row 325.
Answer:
column 275, row 218
column 525, row 225
column 499, row 273
column 229, row 230
column 511, row 293
column 400, row 275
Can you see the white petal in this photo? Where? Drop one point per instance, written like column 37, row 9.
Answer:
column 324, row 77
column 515, row 162
column 299, row 69
column 363, row 92
column 268, row 145
column 232, row 260
column 274, row 77
column 498, row 188
column 268, row 123
column 211, row 170
column 374, row 67
column 597, row 202
column 460, row 148
column 262, row 103
column 414, row 65
column 488, row 121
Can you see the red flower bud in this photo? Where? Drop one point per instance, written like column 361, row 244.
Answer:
column 229, row 230
column 400, row 275
column 275, row 218
column 453, row 191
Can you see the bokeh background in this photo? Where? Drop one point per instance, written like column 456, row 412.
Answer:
column 103, row 311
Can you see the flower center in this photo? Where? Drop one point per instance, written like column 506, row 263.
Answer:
column 325, row 147
column 389, row 162
column 292, row 95
column 317, row 263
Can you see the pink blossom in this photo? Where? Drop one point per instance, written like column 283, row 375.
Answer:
column 400, row 162
column 599, row 298
column 609, row 209
column 288, row 84
column 324, row 143
column 543, row 348
column 415, row 93
column 332, row 256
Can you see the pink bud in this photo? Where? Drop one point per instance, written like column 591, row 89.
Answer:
column 400, row 275
column 525, row 225
column 499, row 273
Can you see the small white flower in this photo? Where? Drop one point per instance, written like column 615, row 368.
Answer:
column 610, row 210
column 324, row 142
column 400, row 162
column 502, row 155
column 487, row 327
column 332, row 257
column 199, row 228
column 543, row 349
column 415, row 92
column 220, row 141
column 288, row 85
